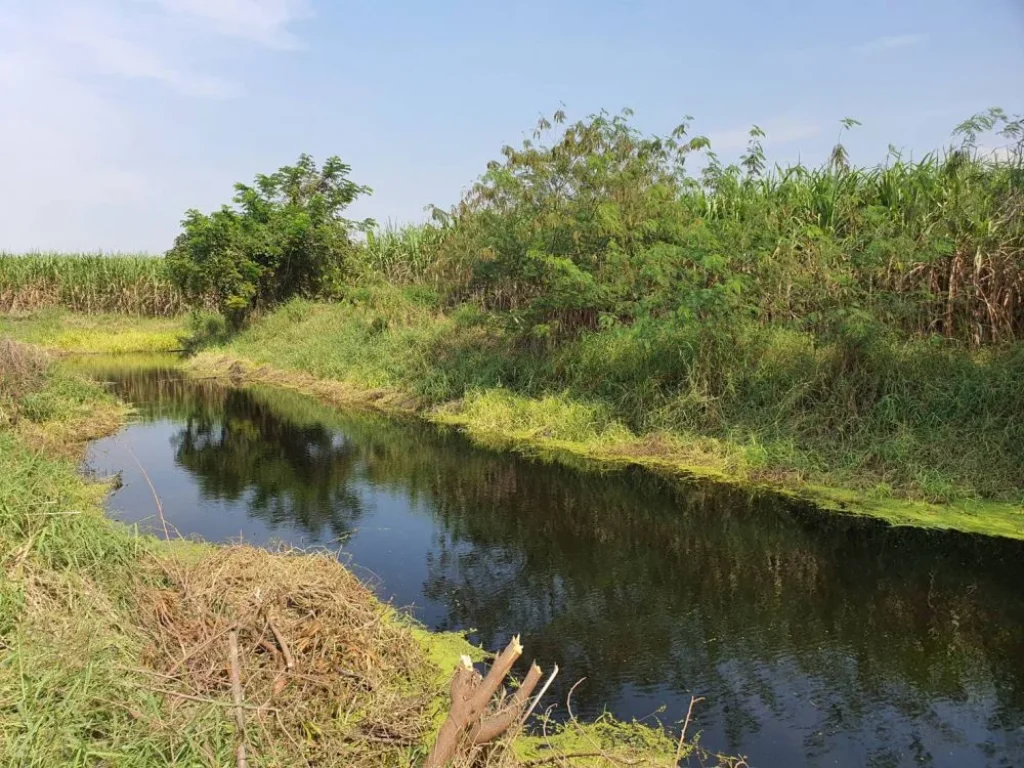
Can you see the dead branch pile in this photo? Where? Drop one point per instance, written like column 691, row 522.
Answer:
column 295, row 651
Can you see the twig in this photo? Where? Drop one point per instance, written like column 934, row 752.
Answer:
column 156, row 497
column 682, row 736
column 395, row 741
column 539, row 696
column 289, row 660
column 189, row 654
column 236, row 693
column 270, row 648
column 287, row 732
column 204, row 700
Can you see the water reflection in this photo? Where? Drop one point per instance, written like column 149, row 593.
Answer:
column 816, row 639
column 286, row 473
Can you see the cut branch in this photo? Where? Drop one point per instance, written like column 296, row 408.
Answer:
column 289, row 660
column 236, row 694
column 471, row 720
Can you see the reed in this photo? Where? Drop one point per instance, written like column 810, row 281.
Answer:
column 91, row 283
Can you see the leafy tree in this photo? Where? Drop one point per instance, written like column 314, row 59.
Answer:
column 579, row 230
column 284, row 236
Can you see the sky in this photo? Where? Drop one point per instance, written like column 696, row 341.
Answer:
column 116, row 116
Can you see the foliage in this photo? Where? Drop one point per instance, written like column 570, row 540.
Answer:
column 763, row 403
column 835, row 324
column 285, row 237
column 579, row 232
column 398, row 255
column 602, row 225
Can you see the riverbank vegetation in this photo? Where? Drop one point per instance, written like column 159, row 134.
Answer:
column 829, row 326
column 852, row 330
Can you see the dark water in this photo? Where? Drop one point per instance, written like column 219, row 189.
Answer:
column 816, row 639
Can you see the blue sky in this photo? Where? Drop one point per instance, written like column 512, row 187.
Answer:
column 120, row 114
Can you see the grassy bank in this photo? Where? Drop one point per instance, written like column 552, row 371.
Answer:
column 853, row 334
column 939, row 444
column 60, row 330
column 115, row 647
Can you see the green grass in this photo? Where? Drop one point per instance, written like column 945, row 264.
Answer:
column 64, row 331
column 135, row 284
column 65, row 589
column 73, row 686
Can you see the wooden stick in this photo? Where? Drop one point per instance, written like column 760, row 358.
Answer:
column 490, row 728
column 682, row 736
column 540, row 695
column 471, row 695
column 236, row 693
column 289, row 660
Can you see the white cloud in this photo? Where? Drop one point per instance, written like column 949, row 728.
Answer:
column 70, row 115
column 891, row 43
column 777, row 131
column 106, row 43
column 262, row 21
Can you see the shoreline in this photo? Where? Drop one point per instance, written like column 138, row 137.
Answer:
column 494, row 424
column 982, row 517
column 122, row 629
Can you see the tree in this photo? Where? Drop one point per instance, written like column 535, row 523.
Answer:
column 284, row 236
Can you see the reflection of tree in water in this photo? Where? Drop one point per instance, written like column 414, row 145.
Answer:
column 844, row 631
column 641, row 585
column 292, row 474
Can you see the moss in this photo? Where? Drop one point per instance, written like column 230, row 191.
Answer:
column 592, row 741
column 444, row 650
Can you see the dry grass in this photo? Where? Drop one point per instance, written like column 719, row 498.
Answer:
column 22, row 371
column 22, row 368
column 329, row 676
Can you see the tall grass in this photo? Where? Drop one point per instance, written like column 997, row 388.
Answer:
column 132, row 284
column 909, row 418
column 927, row 247
column 399, row 254
column 596, row 223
